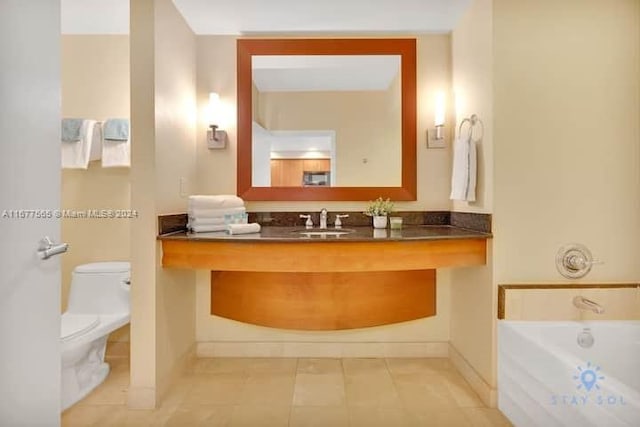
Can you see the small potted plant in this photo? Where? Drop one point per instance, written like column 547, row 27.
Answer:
column 379, row 209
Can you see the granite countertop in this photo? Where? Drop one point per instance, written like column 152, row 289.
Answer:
column 355, row 234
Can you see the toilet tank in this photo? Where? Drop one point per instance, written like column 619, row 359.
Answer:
column 100, row 288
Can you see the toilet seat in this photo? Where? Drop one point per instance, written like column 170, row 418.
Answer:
column 73, row 325
column 104, row 267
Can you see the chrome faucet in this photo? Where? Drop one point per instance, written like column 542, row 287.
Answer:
column 323, row 218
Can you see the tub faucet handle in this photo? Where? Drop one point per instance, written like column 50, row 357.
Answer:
column 338, row 223
column 574, row 261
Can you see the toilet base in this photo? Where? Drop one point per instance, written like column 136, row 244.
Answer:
column 83, row 369
column 97, row 378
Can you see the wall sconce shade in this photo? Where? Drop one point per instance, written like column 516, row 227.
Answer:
column 435, row 137
column 216, row 139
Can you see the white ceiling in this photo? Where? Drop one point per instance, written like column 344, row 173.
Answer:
column 276, row 73
column 95, row 16
column 276, row 16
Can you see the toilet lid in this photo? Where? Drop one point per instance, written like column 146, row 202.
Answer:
column 72, row 325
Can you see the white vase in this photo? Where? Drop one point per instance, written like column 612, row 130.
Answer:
column 380, row 222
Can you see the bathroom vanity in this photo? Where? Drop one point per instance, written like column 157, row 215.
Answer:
column 287, row 278
column 293, row 278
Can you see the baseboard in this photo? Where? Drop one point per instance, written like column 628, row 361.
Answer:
column 322, row 349
column 487, row 394
column 150, row 397
column 178, row 369
column 141, row 398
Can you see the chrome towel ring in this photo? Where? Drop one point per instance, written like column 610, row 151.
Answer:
column 472, row 121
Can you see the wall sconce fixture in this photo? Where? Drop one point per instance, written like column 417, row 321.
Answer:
column 216, row 138
column 435, row 137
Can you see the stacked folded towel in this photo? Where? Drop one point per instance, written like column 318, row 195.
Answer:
column 218, row 213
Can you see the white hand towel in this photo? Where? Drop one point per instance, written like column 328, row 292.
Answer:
column 254, row 227
column 213, row 213
column 96, row 144
column 75, row 155
column 463, row 176
column 116, row 153
column 195, row 220
column 473, row 171
column 207, row 228
column 221, row 201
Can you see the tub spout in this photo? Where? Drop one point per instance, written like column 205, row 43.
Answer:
column 586, row 304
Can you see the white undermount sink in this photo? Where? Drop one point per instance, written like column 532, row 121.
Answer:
column 323, row 232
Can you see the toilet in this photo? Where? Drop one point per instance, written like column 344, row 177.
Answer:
column 98, row 304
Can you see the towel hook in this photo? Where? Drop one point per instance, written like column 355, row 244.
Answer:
column 473, row 120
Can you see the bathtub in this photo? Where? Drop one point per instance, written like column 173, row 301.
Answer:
column 548, row 375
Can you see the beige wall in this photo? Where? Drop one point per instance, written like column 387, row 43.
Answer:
column 558, row 178
column 472, row 289
column 175, row 115
column 567, row 136
column 556, row 79
column 95, row 85
column 362, row 121
column 142, row 389
column 216, row 58
column 163, row 125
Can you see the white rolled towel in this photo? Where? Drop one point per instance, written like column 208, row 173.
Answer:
column 207, row 228
column 213, row 213
column 254, row 227
column 221, row 201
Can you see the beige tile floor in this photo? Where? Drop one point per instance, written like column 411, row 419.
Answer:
column 296, row 392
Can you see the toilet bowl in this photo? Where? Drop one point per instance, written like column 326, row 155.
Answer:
column 98, row 305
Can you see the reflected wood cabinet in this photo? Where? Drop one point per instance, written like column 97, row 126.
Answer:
column 289, row 172
column 317, row 165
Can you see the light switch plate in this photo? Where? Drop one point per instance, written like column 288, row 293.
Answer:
column 183, row 186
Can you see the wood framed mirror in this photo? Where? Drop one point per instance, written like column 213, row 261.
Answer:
column 370, row 153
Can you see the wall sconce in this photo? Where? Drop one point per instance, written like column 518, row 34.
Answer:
column 435, row 137
column 216, row 138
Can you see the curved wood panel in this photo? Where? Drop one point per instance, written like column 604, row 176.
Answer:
column 318, row 257
column 323, row 301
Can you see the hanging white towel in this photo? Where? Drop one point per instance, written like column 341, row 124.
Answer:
column 473, row 171
column 96, row 144
column 75, row 155
column 220, row 201
column 116, row 153
column 463, row 176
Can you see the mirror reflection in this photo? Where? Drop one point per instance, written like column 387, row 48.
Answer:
column 326, row 120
